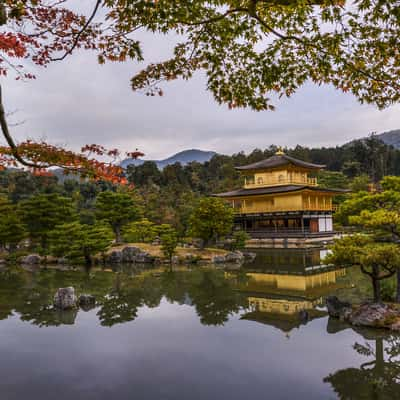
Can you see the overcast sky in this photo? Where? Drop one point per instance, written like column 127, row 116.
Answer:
column 78, row 102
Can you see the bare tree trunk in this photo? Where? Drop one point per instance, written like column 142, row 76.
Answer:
column 118, row 237
column 376, row 284
column 88, row 260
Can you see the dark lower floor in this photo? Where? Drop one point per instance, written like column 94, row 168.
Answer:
column 282, row 225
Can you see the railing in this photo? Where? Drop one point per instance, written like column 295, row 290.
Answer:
column 275, row 182
column 267, row 209
column 319, row 207
column 280, row 233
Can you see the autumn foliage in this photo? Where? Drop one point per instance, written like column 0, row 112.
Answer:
column 41, row 32
column 85, row 163
column 251, row 52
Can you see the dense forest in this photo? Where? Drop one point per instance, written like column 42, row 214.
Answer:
column 169, row 195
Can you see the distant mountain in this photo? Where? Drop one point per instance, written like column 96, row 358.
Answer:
column 183, row 157
column 391, row 138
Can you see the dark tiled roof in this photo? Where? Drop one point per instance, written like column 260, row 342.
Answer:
column 278, row 160
column 284, row 322
column 276, row 189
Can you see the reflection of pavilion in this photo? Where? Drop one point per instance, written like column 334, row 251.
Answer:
column 278, row 293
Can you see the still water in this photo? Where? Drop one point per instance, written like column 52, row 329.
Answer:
column 192, row 333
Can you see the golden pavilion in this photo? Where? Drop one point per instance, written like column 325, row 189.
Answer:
column 281, row 199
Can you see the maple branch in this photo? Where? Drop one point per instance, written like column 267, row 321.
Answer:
column 252, row 12
column 217, row 18
column 79, row 34
column 6, row 133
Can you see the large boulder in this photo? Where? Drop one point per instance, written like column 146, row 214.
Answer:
column 62, row 261
column 337, row 308
column 115, row 257
column 234, row 257
column 65, row 298
column 129, row 254
column 249, row 256
column 370, row 315
column 376, row 315
column 218, row 259
column 144, row 258
column 31, row 259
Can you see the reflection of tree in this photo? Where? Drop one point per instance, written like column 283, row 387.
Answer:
column 127, row 296
column 152, row 291
column 214, row 298
column 119, row 295
column 174, row 286
column 375, row 379
column 118, row 307
column 10, row 283
column 30, row 293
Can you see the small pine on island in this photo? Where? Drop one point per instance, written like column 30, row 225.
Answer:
column 281, row 204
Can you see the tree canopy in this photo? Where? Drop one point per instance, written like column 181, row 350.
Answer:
column 42, row 213
column 79, row 241
column 211, row 219
column 117, row 209
column 378, row 215
column 377, row 260
column 251, row 51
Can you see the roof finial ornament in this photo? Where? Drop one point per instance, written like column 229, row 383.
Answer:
column 280, row 151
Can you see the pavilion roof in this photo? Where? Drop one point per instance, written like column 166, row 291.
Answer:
column 276, row 189
column 277, row 160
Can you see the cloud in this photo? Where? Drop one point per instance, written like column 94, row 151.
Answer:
column 77, row 101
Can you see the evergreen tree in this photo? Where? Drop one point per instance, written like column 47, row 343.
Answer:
column 169, row 241
column 377, row 260
column 211, row 219
column 117, row 209
column 239, row 239
column 12, row 230
column 143, row 231
column 42, row 213
column 376, row 213
column 78, row 241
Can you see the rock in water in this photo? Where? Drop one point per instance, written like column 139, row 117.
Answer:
column 65, row 298
column 86, row 299
column 337, row 308
column 144, row 258
column 129, row 253
column 375, row 315
column 218, row 260
column 249, row 256
column 31, row 259
column 87, row 302
column 115, row 257
column 234, row 257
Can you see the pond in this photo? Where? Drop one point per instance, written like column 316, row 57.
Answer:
column 192, row 333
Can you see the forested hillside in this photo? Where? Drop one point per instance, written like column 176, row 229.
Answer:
column 369, row 157
column 391, row 138
column 183, row 157
column 169, row 195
